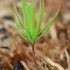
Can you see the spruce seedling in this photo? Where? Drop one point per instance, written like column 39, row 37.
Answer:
column 30, row 32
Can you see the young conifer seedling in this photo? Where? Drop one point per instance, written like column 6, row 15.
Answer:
column 27, row 29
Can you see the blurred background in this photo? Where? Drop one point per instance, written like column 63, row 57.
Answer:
column 13, row 48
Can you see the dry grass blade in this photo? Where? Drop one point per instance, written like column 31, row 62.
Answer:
column 25, row 65
column 53, row 63
column 68, row 58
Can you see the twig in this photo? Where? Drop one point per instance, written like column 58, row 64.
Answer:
column 24, row 64
column 68, row 58
column 53, row 63
column 9, row 64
